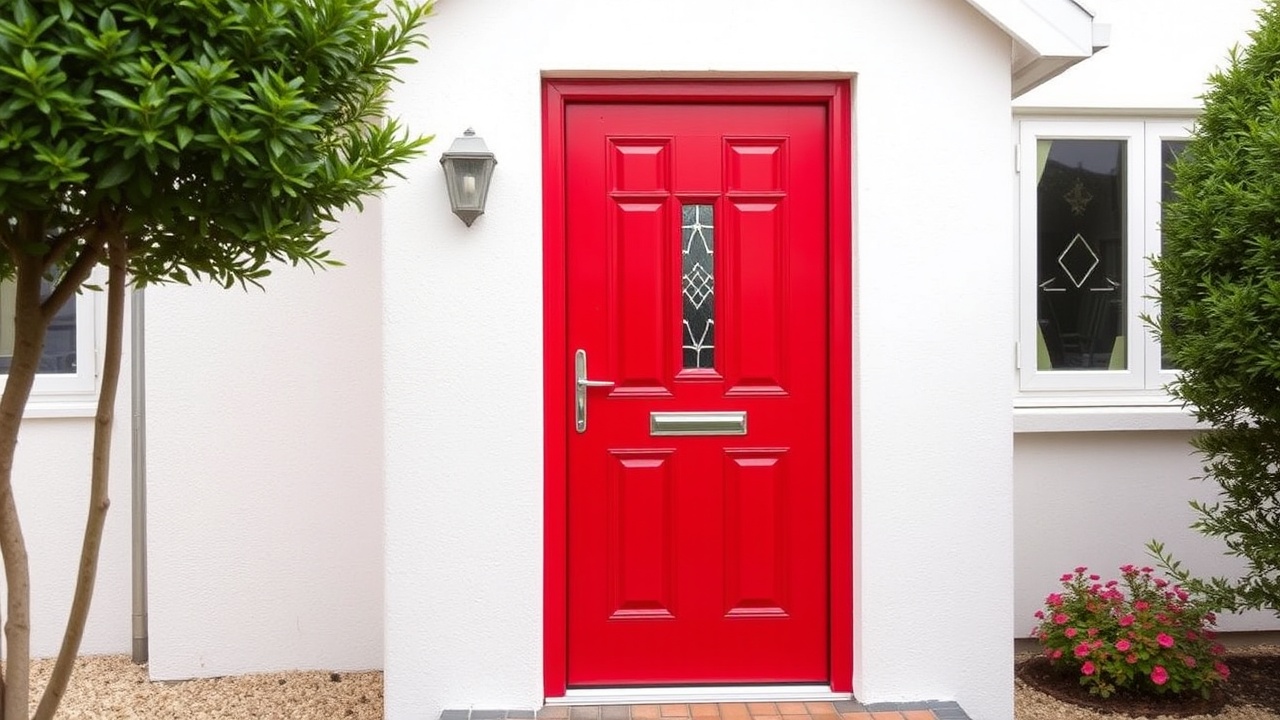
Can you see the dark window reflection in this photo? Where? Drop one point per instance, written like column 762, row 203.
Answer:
column 1081, row 309
column 1169, row 151
column 59, row 354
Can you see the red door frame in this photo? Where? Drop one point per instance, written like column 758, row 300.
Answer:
column 834, row 96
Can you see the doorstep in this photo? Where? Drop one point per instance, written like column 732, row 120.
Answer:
column 839, row 710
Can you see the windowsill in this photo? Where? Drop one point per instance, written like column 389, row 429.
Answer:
column 1099, row 414
column 60, row 408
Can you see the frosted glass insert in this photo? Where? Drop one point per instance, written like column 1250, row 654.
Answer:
column 698, row 285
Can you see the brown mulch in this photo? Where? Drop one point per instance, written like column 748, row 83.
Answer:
column 1254, row 682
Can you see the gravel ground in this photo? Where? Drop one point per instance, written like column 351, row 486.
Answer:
column 110, row 686
column 1030, row 704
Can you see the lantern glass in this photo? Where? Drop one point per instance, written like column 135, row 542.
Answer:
column 468, row 168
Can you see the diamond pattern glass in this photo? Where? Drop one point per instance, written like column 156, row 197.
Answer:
column 1080, row 207
column 698, row 285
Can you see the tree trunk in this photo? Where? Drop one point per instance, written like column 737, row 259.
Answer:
column 29, row 333
column 104, row 420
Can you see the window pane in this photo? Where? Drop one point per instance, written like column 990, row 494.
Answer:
column 1081, row 254
column 59, row 355
column 698, row 285
column 1169, row 151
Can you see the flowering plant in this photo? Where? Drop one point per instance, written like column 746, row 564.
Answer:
column 1139, row 633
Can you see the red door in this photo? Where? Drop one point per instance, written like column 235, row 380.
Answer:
column 697, row 482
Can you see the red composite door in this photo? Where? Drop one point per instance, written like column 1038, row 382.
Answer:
column 698, row 481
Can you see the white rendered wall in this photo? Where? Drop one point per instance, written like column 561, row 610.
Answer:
column 51, row 486
column 1161, row 53
column 1096, row 498
column 265, row 469
column 463, row 334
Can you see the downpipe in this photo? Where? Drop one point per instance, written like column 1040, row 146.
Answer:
column 138, row 393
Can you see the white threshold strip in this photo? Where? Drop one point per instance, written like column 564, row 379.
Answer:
column 699, row 694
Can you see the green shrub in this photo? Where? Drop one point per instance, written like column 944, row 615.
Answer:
column 1219, row 296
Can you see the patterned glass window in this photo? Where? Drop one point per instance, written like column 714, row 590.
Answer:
column 1090, row 201
column 1081, row 309
column 697, row 280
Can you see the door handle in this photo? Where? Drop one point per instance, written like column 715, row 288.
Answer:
column 580, row 385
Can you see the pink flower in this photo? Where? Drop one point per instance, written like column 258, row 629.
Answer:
column 1159, row 675
column 1095, row 577
column 1054, row 599
column 1190, row 661
column 1080, row 570
column 1066, row 578
column 1141, row 605
column 1039, row 614
column 1147, row 570
column 1087, row 668
column 1123, row 645
column 1127, row 569
column 1057, row 654
column 1070, row 632
column 1222, row 669
column 1082, row 649
column 1093, row 632
column 1126, row 621
column 1161, row 582
column 1131, row 658
column 1111, row 583
column 1164, row 640
column 1060, row 619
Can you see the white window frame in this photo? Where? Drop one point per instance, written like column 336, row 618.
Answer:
column 1143, row 381
column 71, row 394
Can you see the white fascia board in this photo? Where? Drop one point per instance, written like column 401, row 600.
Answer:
column 1049, row 36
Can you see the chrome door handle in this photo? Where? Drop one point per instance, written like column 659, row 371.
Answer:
column 580, row 385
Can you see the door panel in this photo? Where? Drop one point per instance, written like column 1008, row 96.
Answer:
column 697, row 282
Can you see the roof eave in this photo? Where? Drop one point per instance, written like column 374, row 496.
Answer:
column 1049, row 36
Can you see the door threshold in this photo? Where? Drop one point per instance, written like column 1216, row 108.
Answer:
column 698, row 694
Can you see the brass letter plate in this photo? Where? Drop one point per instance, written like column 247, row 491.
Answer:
column 698, row 423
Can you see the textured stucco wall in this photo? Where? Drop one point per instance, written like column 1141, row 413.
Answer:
column 1096, row 499
column 933, row 519
column 265, row 469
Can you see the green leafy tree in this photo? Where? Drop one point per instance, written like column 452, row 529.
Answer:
column 171, row 141
column 1219, row 295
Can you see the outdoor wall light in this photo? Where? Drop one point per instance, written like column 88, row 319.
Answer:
column 468, row 167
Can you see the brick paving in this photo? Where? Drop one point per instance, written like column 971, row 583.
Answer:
column 840, row 710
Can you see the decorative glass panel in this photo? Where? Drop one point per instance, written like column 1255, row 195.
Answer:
column 1081, row 254
column 698, row 285
column 1169, row 151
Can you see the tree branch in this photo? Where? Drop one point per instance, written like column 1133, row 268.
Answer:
column 117, row 279
column 62, row 242
column 74, row 277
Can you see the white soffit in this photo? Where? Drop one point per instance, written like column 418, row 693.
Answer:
column 1049, row 36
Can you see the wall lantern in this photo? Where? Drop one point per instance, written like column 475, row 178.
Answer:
column 468, row 167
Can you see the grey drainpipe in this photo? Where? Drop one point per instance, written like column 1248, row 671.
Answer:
column 139, row 398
